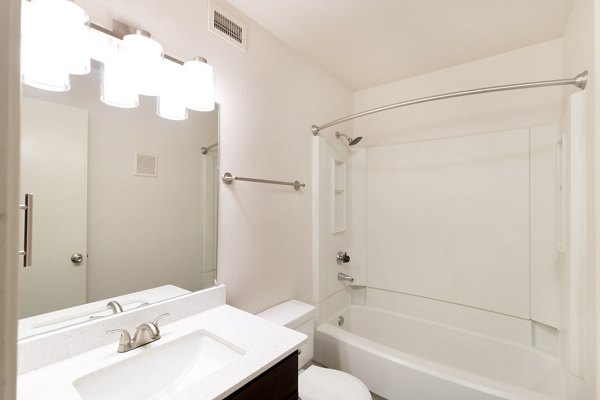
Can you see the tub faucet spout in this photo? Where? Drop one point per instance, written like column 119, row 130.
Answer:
column 344, row 277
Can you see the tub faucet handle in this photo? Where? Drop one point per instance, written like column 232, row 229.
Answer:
column 342, row 257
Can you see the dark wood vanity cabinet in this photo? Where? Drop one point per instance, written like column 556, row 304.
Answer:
column 280, row 382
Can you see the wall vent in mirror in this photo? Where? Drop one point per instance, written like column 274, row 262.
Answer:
column 226, row 26
column 146, row 164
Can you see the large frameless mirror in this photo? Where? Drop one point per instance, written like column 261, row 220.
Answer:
column 125, row 205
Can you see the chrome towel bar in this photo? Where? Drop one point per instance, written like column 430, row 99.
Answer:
column 229, row 179
column 205, row 150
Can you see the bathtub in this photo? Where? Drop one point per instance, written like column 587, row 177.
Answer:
column 402, row 357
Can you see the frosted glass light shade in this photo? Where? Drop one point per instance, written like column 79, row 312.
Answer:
column 170, row 104
column 44, row 63
column 54, row 43
column 145, row 56
column 199, row 85
column 80, row 63
column 118, row 87
column 73, row 22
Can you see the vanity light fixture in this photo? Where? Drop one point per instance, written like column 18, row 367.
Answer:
column 200, row 85
column 57, row 41
column 55, row 35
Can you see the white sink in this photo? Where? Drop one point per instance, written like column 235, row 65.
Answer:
column 161, row 370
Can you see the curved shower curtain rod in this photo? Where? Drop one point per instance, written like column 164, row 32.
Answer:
column 579, row 81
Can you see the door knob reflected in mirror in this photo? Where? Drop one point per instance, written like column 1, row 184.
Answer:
column 77, row 258
column 342, row 257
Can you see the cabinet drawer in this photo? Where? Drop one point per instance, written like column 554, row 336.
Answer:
column 280, row 382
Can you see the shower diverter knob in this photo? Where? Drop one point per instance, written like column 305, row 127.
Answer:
column 342, row 257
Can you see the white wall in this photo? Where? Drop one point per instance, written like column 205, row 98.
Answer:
column 449, row 220
column 466, row 115
column 543, row 220
column 9, row 183
column 269, row 98
column 467, row 220
column 334, row 196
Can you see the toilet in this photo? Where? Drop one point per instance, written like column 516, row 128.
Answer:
column 314, row 383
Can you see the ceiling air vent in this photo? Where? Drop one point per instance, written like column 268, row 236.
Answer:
column 225, row 26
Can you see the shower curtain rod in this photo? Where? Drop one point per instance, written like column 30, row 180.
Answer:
column 579, row 81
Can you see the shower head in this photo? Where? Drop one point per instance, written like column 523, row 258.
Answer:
column 351, row 142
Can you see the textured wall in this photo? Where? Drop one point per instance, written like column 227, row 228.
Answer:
column 269, row 98
column 466, row 115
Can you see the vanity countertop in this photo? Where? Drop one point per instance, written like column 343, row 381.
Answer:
column 81, row 314
column 264, row 344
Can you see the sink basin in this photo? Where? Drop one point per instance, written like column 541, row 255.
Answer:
column 161, row 370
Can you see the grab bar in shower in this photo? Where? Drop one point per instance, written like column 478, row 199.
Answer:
column 229, row 179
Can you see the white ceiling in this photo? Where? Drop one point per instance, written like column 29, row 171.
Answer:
column 365, row 43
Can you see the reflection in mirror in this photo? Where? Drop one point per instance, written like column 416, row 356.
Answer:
column 130, row 192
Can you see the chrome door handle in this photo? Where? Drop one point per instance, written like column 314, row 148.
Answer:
column 27, row 251
column 77, row 258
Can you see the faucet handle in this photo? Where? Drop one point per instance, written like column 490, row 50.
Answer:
column 124, row 341
column 155, row 322
column 124, row 333
column 342, row 257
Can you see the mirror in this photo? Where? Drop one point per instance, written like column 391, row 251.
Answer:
column 125, row 204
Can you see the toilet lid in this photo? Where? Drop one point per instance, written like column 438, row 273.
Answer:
column 318, row 383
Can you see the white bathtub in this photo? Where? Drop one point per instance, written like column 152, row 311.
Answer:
column 402, row 357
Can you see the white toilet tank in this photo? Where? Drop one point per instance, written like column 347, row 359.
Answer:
column 298, row 316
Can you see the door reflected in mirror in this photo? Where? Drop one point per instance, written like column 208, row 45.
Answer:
column 132, row 193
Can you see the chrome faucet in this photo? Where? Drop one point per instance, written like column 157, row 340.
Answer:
column 344, row 277
column 116, row 308
column 147, row 332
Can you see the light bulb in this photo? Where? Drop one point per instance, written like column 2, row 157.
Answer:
column 118, row 87
column 199, row 85
column 54, row 43
column 170, row 104
column 79, row 56
column 44, row 59
column 145, row 56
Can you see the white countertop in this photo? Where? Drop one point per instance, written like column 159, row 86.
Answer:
column 264, row 344
column 81, row 314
